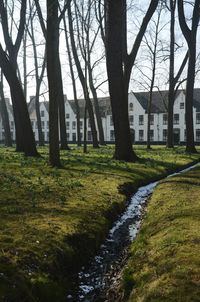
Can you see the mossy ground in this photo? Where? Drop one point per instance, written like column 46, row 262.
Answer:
column 165, row 260
column 52, row 219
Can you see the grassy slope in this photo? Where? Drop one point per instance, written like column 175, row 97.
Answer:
column 52, row 220
column 165, row 262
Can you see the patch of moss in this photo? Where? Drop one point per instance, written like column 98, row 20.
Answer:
column 53, row 220
column 164, row 261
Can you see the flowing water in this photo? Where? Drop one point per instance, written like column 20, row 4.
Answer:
column 102, row 271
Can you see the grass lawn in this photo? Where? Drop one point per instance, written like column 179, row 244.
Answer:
column 165, row 258
column 52, row 220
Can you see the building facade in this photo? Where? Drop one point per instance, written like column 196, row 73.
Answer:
column 137, row 103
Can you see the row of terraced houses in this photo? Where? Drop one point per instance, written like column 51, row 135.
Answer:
column 138, row 102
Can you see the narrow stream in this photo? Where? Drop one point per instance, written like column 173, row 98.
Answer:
column 102, row 272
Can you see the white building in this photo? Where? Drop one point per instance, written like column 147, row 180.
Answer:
column 137, row 116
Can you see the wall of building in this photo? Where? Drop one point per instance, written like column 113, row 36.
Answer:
column 137, row 117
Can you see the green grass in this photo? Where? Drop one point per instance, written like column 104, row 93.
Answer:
column 164, row 264
column 52, row 219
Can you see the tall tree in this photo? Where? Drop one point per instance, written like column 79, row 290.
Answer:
column 154, row 51
column 190, row 35
column 54, row 78
column 52, row 45
column 38, row 75
column 119, row 67
column 82, row 80
column 173, row 79
column 61, row 101
column 87, row 37
column 73, row 84
column 24, row 133
column 25, row 141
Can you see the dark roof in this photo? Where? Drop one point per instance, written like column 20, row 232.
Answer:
column 31, row 105
column 104, row 105
column 159, row 100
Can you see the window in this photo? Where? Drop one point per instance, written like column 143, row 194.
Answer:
column 89, row 135
column 198, row 118
column 198, row 135
column 67, row 125
column 68, row 136
column 131, row 120
column 73, row 137
column 42, row 124
column 151, row 119
column 141, row 119
column 32, row 124
column 42, row 113
column 74, row 125
column 151, row 135
column 131, row 107
column 89, row 125
column 164, row 135
column 47, row 124
column 176, row 119
column 111, row 121
column 67, row 115
column 164, row 119
column 81, row 137
column 47, row 136
column 181, row 105
column 36, row 125
column 81, row 124
column 112, row 135
column 141, row 135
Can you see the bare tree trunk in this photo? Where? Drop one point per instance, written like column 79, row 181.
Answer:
column 5, row 116
column 117, row 87
column 86, row 43
column 25, row 63
column 190, row 36
column 83, row 82
column 119, row 67
column 85, row 130
column 190, row 144
column 25, row 141
column 96, row 106
column 171, row 94
column 52, row 47
column 61, row 106
column 153, row 54
column 149, row 117
column 24, row 133
column 38, row 80
column 60, row 95
column 73, row 85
